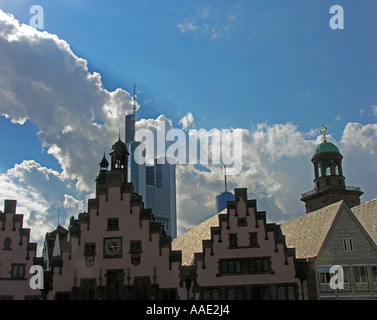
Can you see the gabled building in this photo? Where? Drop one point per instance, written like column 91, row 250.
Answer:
column 115, row 250
column 17, row 255
column 366, row 213
column 237, row 255
column 334, row 236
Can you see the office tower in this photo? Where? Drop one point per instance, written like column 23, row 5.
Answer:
column 224, row 197
column 155, row 183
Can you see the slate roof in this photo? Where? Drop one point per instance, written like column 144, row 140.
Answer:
column 191, row 241
column 308, row 233
column 366, row 213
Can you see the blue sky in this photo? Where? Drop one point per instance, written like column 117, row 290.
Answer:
column 256, row 65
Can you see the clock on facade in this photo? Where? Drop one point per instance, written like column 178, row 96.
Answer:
column 112, row 247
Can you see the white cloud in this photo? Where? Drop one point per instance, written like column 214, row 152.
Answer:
column 374, row 110
column 187, row 26
column 72, row 203
column 43, row 81
column 39, row 193
column 211, row 22
column 186, row 121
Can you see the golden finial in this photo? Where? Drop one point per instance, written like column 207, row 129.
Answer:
column 324, row 133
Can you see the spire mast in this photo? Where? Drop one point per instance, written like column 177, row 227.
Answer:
column 134, row 98
column 225, row 179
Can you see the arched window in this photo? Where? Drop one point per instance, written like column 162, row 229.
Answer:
column 318, row 170
column 336, row 168
column 327, row 168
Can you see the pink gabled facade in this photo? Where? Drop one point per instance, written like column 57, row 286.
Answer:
column 237, row 255
column 17, row 255
column 115, row 250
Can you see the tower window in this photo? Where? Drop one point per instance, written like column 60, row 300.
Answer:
column 336, row 169
column 327, row 169
column 318, row 170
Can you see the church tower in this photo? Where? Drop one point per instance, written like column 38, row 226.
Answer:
column 117, row 175
column 329, row 181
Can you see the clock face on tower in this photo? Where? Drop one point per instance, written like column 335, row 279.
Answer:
column 112, row 247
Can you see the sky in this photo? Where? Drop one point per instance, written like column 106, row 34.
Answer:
column 273, row 68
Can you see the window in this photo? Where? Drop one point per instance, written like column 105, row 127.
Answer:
column 318, row 170
column 18, row 271
column 231, row 266
column 233, row 241
column 231, row 294
column 287, row 292
column 89, row 253
column 242, row 222
column 253, row 240
column 88, row 289
column 324, row 275
column 142, row 288
column 115, row 284
column 135, row 246
column 112, row 224
column 327, row 168
column 360, row 274
column 259, row 265
column 90, row 249
column 336, row 168
column 348, row 245
column 211, row 294
column 168, row 294
column 260, row 293
column 7, row 243
column 374, row 273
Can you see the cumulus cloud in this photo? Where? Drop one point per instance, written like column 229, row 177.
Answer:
column 39, row 192
column 43, row 81
column 186, row 121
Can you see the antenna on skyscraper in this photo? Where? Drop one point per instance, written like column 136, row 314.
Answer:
column 134, row 98
column 225, row 179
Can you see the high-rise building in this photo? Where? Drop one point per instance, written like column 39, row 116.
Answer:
column 224, row 197
column 155, row 183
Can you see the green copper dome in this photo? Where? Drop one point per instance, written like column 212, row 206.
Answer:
column 326, row 147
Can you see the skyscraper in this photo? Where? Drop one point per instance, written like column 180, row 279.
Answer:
column 224, row 197
column 155, row 183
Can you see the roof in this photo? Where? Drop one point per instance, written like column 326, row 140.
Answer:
column 366, row 213
column 104, row 163
column 119, row 146
column 326, row 147
column 308, row 233
column 191, row 241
